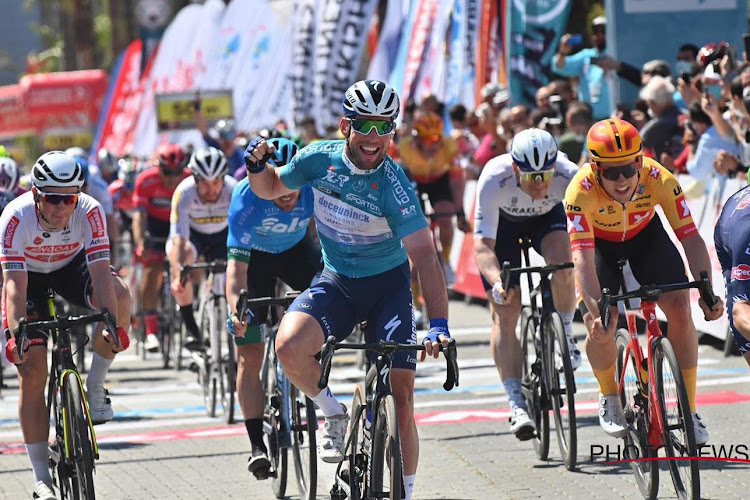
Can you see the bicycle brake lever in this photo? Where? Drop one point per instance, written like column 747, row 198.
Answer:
column 241, row 306
column 451, row 361
column 604, row 312
column 111, row 325
column 20, row 337
column 326, row 356
column 505, row 275
column 707, row 294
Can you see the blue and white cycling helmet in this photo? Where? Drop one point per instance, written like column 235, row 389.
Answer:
column 285, row 151
column 371, row 98
column 533, row 150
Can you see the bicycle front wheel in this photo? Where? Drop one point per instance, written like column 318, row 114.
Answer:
column 386, row 482
column 634, row 405
column 532, row 383
column 273, row 428
column 679, row 435
column 80, row 448
column 304, row 424
column 562, row 389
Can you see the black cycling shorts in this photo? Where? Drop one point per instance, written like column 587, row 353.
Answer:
column 439, row 190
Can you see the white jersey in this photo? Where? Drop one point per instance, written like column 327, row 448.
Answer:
column 189, row 212
column 28, row 246
column 499, row 194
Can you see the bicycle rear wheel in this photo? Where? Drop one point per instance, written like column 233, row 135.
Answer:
column 304, row 424
column 562, row 389
column 81, row 450
column 679, row 436
column 634, row 406
column 531, row 381
column 386, row 482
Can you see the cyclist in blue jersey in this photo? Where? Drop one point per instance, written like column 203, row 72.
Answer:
column 732, row 241
column 267, row 240
column 370, row 224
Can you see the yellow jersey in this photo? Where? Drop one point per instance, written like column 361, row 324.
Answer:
column 594, row 214
column 429, row 169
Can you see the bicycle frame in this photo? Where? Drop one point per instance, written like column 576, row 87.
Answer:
column 282, row 383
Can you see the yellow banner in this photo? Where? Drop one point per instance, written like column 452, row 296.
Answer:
column 177, row 111
column 64, row 140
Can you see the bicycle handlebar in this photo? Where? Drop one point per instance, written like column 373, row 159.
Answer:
column 213, row 267
column 244, row 303
column 387, row 347
column 507, row 271
column 65, row 323
column 653, row 292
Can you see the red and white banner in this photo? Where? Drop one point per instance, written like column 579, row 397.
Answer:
column 418, row 39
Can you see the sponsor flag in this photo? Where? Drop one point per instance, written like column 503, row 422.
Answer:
column 386, row 52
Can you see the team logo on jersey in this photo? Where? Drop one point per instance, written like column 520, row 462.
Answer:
column 741, row 272
column 10, row 230
column 96, row 222
column 359, row 186
column 654, row 172
column 683, row 211
column 38, row 240
column 641, row 189
column 744, row 202
column 577, row 224
column 636, row 218
column 586, row 184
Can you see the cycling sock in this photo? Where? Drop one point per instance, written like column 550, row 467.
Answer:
column 254, row 428
column 328, row 403
column 513, row 390
column 606, row 379
column 98, row 371
column 151, row 321
column 408, row 485
column 39, row 457
column 567, row 320
column 690, row 376
column 189, row 319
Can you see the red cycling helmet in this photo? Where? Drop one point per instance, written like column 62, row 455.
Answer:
column 171, row 158
column 712, row 52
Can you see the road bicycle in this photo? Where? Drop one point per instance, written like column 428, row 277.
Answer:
column 547, row 381
column 373, row 467
column 289, row 419
column 653, row 395
column 74, row 449
column 217, row 365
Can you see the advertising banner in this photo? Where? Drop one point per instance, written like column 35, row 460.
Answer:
column 62, row 139
column 535, row 29
column 175, row 111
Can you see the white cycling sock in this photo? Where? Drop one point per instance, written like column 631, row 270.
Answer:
column 328, row 403
column 408, row 486
column 39, row 458
column 513, row 389
column 98, row 371
column 567, row 320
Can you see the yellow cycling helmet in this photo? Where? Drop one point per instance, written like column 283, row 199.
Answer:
column 428, row 125
column 613, row 140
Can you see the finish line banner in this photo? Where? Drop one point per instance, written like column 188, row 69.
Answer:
column 176, row 112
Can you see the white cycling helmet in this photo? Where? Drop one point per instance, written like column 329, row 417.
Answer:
column 8, row 174
column 208, row 164
column 76, row 152
column 57, row 169
column 533, row 150
column 371, row 98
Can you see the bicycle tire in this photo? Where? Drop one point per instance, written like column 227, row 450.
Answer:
column 304, row 449
column 207, row 373
column 646, row 472
column 58, row 470
column 531, row 384
column 276, row 452
column 228, row 367
column 353, row 473
column 79, row 443
column 562, row 390
column 679, row 434
column 386, row 446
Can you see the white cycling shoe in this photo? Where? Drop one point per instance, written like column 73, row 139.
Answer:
column 43, row 492
column 611, row 416
column 331, row 448
column 521, row 424
column 699, row 428
column 152, row 343
column 575, row 353
column 100, row 407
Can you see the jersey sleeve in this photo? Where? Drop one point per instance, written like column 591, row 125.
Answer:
column 239, row 236
column 573, row 65
column 403, row 211
column 578, row 209
column 302, row 169
column 14, row 241
column 96, row 243
column 179, row 217
column 487, row 209
column 140, row 196
column 672, row 201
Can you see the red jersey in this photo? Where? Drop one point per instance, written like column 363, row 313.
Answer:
column 150, row 194
column 122, row 199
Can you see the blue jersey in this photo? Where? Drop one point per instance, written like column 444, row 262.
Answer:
column 732, row 241
column 361, row 216
column 258, row 224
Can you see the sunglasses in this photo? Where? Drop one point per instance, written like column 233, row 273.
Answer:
column 613, row 173
column 542, row 176
column 430, row 139
column 57, row 198
column 364, row 127
column 171, row 173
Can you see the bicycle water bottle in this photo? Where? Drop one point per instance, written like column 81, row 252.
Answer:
column 644, row 377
